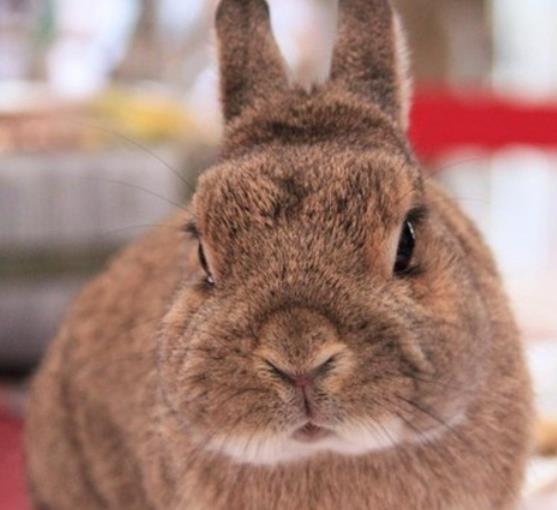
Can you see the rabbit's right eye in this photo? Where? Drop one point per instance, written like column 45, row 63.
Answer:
column 205, row 266
column 405, row 249
column 407, row 242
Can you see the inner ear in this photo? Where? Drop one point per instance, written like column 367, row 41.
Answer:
column 251, row 66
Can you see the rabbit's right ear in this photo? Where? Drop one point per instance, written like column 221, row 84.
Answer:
column 370, row 56
column 251, row 66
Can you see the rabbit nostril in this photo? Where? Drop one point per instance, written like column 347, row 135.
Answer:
column 280, row 373
column 326, row 366
column 302, row 379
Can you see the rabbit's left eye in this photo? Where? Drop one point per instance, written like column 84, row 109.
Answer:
column 205, row 266
column 405, row 249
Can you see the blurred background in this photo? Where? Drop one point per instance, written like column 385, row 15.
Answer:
column 109, row 111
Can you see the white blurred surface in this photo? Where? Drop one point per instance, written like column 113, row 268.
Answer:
column 92, row 37
column 75, row 200
column 526, row 43
column 511, row 197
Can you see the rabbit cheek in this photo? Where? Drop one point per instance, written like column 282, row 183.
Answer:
column 217, row 393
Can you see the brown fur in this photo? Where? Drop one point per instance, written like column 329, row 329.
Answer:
column 159, row 388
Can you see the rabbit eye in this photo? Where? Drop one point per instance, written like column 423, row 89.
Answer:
column 405, row 249
column 203, row 263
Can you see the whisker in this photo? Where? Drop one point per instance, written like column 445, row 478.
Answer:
column 137, row 187
column 130, row 141
column 462, row 438
column 455, row 164
column 145, row 226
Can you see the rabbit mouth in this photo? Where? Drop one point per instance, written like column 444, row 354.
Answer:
column 311, row 433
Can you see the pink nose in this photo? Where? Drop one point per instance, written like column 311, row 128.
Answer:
column 301, row 380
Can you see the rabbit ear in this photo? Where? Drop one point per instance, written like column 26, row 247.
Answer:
column 370, row 55
column 251, row 66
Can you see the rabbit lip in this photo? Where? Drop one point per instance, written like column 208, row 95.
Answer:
column 311, row 433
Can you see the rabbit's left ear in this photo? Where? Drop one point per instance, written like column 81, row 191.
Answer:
column 251, row 66
column 370, row 56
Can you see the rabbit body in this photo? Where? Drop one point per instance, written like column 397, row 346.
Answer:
column 291, row 366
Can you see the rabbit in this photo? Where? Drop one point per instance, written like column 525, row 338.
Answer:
column 321, row 328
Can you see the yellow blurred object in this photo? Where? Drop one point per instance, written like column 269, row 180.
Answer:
column 546, row 438
column 38, row 121
column 144, row 116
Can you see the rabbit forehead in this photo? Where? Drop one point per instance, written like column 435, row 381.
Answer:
column 327, row 114
column 314, row 187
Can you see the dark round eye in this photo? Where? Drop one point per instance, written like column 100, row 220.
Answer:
column 203, row 263
column 405, row 250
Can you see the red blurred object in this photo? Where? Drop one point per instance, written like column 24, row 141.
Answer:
column 12, row 478
column 442, row 121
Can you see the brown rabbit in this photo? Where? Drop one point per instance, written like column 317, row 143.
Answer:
column 332, row 334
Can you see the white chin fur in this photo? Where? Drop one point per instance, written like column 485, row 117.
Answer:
column 352, row 439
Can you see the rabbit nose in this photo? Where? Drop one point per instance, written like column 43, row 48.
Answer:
column 302, row 379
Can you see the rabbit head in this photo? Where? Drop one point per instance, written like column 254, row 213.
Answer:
column 335, row 307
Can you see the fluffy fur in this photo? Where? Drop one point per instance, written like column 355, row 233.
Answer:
column 163, row 391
